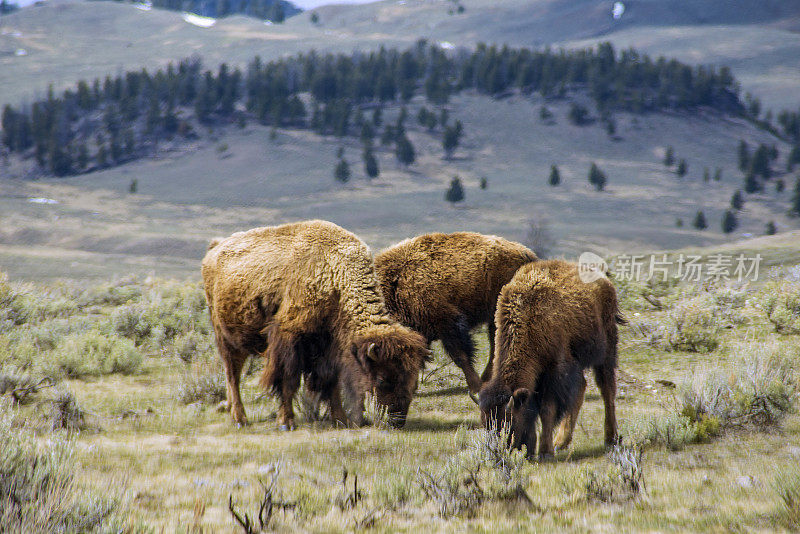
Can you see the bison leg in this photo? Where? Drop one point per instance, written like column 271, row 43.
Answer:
column 233, row 361
column 606, row 379
column 338, row 416
column 458, row 344
column 564, row 435
column 487, row 371
column 547, row 415
column 289, row 387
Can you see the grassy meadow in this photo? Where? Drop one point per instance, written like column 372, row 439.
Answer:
column 114, row 386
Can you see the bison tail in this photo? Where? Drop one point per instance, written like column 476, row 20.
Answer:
column 620, row 319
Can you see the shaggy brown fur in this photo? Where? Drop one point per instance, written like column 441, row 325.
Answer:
column 551, row 326
column 443, row 285
column 306, row 295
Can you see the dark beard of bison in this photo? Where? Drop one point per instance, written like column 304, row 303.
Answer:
column 392, row 364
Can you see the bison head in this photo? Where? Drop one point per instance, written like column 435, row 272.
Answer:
column 392, row 358
column 501, row 408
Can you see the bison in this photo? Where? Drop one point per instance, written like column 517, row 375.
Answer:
column 305, row 295
column 550, row 327
column 443, row 285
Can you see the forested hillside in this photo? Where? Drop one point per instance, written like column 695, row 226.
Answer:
column 107, row 122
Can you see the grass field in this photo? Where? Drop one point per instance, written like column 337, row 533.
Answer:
column 153, row 449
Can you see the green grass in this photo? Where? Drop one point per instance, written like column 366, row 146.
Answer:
column 173, row 460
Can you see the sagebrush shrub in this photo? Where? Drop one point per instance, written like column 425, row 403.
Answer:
column 93, row 354
column 780, row 302
column 37, row 489
column 692, row 326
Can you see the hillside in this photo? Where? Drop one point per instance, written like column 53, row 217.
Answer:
column 753, row 37
column 243, row 179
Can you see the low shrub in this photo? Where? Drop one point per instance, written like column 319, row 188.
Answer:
column 92, row 354
column 37, row 489
column 779, row 300
column 692, row 326
column 203, row 383
column 486, row 471
column 622, row 480
column 757, row 394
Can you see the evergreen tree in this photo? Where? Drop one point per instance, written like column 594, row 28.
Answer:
column 405, row 151
column 370, row 163
column 451, row 139
column 102, row 155
column 82, row 160
column 597, row 178
column 484, row 183
column 771, row 228
column 744, row 156
column 388, row 137
column 718, row 174
column 545, row 115
column 700, row 221
column 455, row 193
column 682, row 168
column 795, row 202
column 342, row 171
column 793, row 158
column 780, row 185
column 377, row 117
column 751, row 183
column 314, row 18
column 760, row 164
column 555, row 176
column 737, row 200
column 134, row 186
column 669, row 157
column 578, row 114
column 706, row 175
column 729, row 222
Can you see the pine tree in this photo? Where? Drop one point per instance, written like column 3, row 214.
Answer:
column 450, row 140
column 729, row 222
column 744, row 156
column 700, row 221
column 405, row 151
column 83, row 156
column 793, row 158
column 780, row 185
column 578, row 114
column 484, row 183
column 751, row 183
column 682, row 168
column 555, row 176
column 370, row 163
column 134, row 186
column 669, row 157
column 737, row 200
column 706, row 175
column 718, row 174
column 771, row 229
column 545, row 115
column 342, row 171
column 760, row 164
column 597, row 178
column 795, row 203
column 455, row 193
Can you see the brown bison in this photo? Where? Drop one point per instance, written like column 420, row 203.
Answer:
column 306, row 296
column 443, row 285
column 550, row 327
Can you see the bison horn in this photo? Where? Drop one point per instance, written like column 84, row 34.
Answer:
column 371, row 351
column 474, row 398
